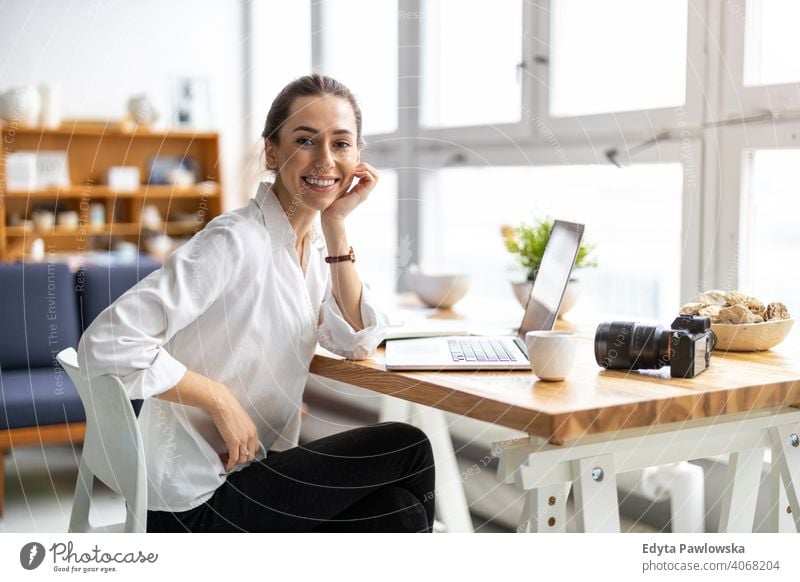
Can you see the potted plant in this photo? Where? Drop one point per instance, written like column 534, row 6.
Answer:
column 527, row 243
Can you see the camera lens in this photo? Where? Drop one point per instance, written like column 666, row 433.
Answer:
column 626, row 345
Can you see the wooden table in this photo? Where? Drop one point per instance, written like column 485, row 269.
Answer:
column 597, row 423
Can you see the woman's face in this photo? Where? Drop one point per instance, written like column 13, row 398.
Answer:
column 317, row 153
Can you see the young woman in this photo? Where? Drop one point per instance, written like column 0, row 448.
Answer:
column 219, row 340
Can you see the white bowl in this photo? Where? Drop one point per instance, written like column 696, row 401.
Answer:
column 751, row 337
column 439, row 290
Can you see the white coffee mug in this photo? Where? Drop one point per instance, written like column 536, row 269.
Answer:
column 551, row 353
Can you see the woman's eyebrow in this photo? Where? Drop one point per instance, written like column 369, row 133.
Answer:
column 315, row 131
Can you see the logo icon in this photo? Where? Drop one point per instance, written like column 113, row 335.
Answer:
column 31, row 555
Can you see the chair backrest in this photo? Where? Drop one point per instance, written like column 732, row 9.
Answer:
column 112, row 446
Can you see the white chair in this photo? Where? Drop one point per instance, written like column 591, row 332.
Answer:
column 112, row 450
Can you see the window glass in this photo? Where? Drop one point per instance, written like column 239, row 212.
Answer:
column 360, row 50
column 471, row 53
column 277, row 25
column 372, row 230
column 617, row 55
column 769, row 219
column 771, row 42
column 632, row 216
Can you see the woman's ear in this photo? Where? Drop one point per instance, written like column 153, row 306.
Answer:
column 270, row 155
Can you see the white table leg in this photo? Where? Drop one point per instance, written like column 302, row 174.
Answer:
column 394, row 409
column 739, row 502
column 786, row 458
column 686, row 485
column 451, row 502
column 778, row 518
column 545, row 510
column 596, row 505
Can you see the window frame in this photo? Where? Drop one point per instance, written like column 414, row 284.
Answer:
column 319, row 11
column 729, row 252
column 711, row 226
column 629, row 123
column 521, row 130
column 737, row 100
column 686, row 150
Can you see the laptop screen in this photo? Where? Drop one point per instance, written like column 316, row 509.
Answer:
column 551, row 280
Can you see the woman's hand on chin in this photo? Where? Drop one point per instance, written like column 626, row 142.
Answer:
column 347, row 201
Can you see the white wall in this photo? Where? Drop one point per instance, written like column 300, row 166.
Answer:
column 101, row 52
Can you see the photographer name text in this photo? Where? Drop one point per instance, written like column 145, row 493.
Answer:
column 660, row 549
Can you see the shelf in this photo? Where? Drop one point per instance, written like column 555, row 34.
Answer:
column 188, row 227
column 112, row 129
column 91, row 191
column 118, row 228
column 93, row 146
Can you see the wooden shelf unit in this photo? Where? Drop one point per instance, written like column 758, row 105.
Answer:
column 91, row 150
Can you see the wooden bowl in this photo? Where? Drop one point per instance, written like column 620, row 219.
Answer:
column 751, row 337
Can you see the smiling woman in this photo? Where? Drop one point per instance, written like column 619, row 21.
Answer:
column 312, row 141
column 218, row 343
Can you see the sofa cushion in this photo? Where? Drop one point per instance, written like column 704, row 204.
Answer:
column 98, row 287
column 38, row 314
column 40, row 397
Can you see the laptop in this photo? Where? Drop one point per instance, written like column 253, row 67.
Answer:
column 499, row 352
column 424, row 328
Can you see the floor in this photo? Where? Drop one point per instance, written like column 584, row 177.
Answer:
column 39, row 488
column 40, row 483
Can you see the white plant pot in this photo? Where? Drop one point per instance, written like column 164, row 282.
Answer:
column 522, row 290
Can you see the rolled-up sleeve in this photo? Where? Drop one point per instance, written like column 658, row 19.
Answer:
column 338, row 336
column 127, row 339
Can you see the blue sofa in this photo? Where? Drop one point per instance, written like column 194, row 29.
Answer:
column 44, row 308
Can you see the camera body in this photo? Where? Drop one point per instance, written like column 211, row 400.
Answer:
column 692, row 341
column 685, row 347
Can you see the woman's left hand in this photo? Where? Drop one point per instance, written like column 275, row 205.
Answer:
column 344, row 204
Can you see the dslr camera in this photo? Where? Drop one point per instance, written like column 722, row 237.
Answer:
column 685, row 347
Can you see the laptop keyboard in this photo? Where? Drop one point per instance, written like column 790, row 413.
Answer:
column 480, row 350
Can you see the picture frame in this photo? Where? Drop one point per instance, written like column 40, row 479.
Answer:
column 52, row 169
column 190, row 103
column 36, row 170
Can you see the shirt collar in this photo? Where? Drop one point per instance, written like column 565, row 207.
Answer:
column 276, row 221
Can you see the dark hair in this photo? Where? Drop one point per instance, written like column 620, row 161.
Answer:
column 314, row 85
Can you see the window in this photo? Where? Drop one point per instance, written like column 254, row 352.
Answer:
column 617, row 55
column 771, row 42
column 372, row 230
column 597, row 76
column 360, row 45
column 633, row 217
column 770, row 239
column 274, row 26
column 471, row 53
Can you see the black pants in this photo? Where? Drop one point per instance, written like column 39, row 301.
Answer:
column 374, row 479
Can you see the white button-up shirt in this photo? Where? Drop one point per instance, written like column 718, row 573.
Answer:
column 235, row 305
